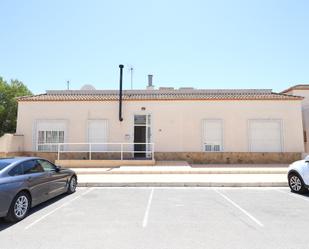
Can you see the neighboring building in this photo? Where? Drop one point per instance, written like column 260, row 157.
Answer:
column 197, row 125
column 302, row 90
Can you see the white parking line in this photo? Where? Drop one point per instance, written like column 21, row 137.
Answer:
column 240, row 208
column 145, row 220
column 53, row 211
column 293, row 194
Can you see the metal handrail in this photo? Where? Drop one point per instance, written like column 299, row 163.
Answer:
column 90, row 150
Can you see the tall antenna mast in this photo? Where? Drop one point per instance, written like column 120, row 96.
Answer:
column 68, row 85
column 131, row 69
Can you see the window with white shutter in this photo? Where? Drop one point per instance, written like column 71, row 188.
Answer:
column 265, row 135
column 98, row 133
column 49, row 133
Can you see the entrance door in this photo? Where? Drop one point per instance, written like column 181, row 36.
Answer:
column 141, row 136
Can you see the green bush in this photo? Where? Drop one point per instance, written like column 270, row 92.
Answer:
column 8, row 104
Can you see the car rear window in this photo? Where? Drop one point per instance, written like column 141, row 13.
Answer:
column 32, row 166
column 3, row 164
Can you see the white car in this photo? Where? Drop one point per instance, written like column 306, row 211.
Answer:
column 298, row 176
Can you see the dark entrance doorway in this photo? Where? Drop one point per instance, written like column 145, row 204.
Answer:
column 140, row 137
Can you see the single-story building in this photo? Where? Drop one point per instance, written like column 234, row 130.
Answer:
column 302, row 90
column 197, row 125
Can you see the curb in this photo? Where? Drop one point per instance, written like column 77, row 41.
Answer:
column 181, row 172
column 183, row 184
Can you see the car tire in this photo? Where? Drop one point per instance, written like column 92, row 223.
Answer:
column 72, row 185
column 296, row 183
column 19, row 208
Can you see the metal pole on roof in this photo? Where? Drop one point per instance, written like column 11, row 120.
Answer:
column 120, row 94
column 131, row 71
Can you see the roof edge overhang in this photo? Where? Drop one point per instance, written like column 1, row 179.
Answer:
column 294, row 98
column 296, row 87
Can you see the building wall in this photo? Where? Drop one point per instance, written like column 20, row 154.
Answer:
column 305, row 112
column 11, row 143
column 176, row 125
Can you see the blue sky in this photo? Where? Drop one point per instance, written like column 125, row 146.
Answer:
column 199, row 43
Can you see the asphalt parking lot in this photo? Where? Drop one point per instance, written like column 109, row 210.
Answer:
column 165, row 218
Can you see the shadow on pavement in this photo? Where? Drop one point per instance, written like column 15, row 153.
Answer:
column 4, row 224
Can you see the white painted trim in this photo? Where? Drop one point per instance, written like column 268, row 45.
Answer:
column 145, row 113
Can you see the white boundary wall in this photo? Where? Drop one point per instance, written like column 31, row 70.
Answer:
column 11, row 143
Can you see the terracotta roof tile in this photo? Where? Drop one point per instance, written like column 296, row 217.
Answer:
column 179, row 94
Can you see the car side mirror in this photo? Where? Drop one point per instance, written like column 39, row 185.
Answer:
column 307, row 159
column 58, row 168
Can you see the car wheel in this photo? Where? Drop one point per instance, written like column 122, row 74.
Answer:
column 19, row 207
column 72, row 185
column 296, row 184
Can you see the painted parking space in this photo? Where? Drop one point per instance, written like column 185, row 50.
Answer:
column 164, row 218
column 95, row 217
column 284, row 215
column 40, row 211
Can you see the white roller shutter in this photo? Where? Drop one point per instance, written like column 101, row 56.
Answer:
column 51, row 125
column 98, row 133
column 212, row 135
column 265, row 136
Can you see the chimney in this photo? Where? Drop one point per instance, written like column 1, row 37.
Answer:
column 150, row 86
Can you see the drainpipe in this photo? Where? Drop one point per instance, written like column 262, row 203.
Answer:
column 120, row 94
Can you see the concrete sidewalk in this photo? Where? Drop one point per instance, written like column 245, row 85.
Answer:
column 209, row 169
column 183, row 180
column 181, row 176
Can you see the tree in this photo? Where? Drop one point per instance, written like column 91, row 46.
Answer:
column 8, row 104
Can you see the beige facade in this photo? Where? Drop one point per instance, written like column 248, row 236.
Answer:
column 196, row 125
column 11, row 143
column 176, row 125
column 303, row 91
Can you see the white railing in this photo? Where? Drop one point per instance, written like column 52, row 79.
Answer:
column 91, row 148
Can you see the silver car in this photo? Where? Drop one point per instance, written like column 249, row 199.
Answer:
column 28, row 181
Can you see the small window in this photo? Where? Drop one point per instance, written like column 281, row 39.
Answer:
column 32, row 166
column 305, row 137
column 49, row 133
column 140, row 119
column 47, row 166
column 46, row 139
column 17, row 170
